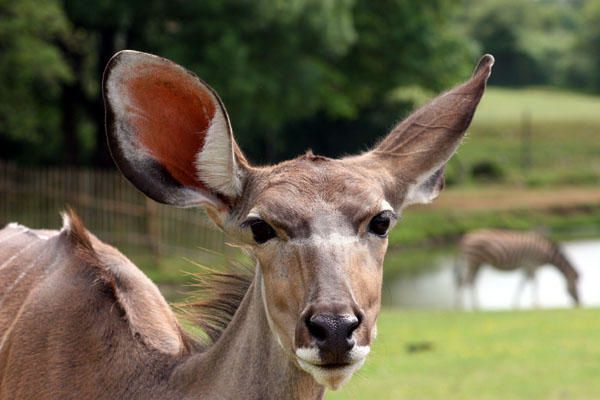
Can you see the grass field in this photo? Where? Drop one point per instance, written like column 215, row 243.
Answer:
column 550, row 354
column 445, row 226
column 565, row 136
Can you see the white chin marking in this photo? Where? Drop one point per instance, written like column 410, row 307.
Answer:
column 331, row 378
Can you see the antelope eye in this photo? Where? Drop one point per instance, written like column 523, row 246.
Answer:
column 261, row 231
column 380, row 223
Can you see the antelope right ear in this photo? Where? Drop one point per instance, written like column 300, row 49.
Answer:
column 416, row 151
column 169, row 132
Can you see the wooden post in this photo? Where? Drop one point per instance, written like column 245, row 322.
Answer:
column 153, row 230
column 526, row 133
column 4, row 193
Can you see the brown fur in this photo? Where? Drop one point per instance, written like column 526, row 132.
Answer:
column 69, row 290
column 94, row 343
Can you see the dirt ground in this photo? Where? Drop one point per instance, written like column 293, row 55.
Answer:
column 507, row 198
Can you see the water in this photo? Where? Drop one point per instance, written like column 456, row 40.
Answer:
column 434, row 289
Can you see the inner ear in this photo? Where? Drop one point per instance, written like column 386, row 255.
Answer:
column 427, row 189
column 169, row 132
column 170, row 118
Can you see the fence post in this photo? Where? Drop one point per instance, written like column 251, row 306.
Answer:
column 526, row 141
column 153, row 230
column 4, row 195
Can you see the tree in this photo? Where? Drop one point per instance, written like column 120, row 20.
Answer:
column 271, row 61
column 404, row 51
column 590, row 44
column 292, row 73
column 32, row 71
column 533, row 41
column 307, row 67
column 501, row 28
column 272, row 53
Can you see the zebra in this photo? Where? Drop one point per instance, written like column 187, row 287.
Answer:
column 508, row 250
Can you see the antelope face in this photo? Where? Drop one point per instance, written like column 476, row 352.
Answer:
column 318, row 229
column 316, row 226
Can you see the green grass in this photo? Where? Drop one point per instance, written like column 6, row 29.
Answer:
column 565, row 130
column 505, row 106
column 552, row 354
column 443, row 226
column 424, row 235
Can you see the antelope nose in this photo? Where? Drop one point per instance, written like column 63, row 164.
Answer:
column 333, row 334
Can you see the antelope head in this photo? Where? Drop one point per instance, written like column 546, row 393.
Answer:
column 317, row 227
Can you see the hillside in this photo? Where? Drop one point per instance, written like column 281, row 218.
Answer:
column 562, row 129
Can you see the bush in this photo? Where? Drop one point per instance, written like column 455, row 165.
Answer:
column 487, row 171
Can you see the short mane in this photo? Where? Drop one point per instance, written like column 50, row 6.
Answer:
column 310, row 156
column 215, row 298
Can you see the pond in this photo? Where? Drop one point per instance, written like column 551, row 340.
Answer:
column 435, row 289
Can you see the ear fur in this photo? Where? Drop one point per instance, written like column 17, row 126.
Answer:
column 424, row 192
column 169, row 132
column 417, row 149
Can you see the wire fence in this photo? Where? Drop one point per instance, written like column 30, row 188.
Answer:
column 111, row 208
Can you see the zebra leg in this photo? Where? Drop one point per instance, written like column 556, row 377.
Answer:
column 471, row 280
column 466, row 283
column 519, row 291
column 459, row 297
column 459, row 283
column 535, row 291
column 474, row 297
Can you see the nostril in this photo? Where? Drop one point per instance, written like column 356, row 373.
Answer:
column 316, row 327
column 353, row 324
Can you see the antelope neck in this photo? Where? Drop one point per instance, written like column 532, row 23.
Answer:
column 246, row 361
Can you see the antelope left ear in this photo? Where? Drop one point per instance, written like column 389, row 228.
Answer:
column 417, row 150
column 169, row 133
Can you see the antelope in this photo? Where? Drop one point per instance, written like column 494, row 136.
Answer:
column 507, row 250
column 79, row 321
